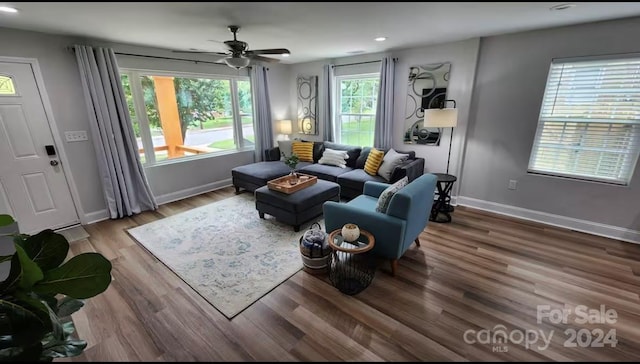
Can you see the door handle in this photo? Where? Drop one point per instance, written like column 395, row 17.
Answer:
column 54, row 162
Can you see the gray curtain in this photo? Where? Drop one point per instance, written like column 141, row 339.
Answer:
column 326, row 112
column 262, row 113
column 383, row 131
column 125, row 186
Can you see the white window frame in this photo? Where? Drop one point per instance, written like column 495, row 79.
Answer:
column 337, row 121
column 143, row 121
column 632, row 147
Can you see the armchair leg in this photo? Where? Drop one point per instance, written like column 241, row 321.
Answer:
column 394, row 266
column 418, row 241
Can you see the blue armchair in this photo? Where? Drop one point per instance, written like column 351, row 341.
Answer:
column 395, row 231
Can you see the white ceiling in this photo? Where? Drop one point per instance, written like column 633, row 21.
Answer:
column 309, row 30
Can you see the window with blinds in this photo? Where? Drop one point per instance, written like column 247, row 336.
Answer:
column 589, row 125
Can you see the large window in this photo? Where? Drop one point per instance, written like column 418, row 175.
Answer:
column 589, row 125
column 356, row 109
column 176, row 116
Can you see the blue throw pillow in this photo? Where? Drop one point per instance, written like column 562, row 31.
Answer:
column 385, row 197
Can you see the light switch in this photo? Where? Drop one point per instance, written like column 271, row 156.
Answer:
column 75, row 136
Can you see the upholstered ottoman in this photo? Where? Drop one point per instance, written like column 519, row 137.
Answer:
column 254, row 175
column 298, row 207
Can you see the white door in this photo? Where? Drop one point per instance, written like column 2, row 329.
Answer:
column 33, row 188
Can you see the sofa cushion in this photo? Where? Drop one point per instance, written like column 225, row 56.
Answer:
column 374, row 160
column 336, row 158
column 391, row 160
column 304, row 151
column 356, row 178
column 353, row 152
column 327, row 173
column 318, row 149
column 362, row 159
column 385, row 197
column 262, row 172
column 285, row 148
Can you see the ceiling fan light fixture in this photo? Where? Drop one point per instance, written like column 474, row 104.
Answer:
column 237, row 62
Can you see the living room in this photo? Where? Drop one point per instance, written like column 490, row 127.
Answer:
column 518, row 240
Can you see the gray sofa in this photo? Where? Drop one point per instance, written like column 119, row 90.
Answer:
column 351, row 179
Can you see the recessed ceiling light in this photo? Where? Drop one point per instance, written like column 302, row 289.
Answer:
column 7, row 9
column 380, row 39
column 285, row 54
column 562, row 6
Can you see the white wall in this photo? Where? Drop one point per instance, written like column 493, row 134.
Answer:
column 510, row 81
column 461, row 55
column 60, row 72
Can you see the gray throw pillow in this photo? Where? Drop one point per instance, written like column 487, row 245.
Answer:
column 385, row 197
column 285, row 147
column 390, row 161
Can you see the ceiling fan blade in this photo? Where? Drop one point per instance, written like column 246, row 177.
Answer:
column 264, row 59
column 268, row 51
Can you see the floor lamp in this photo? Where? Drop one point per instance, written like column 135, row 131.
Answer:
column 442, row 118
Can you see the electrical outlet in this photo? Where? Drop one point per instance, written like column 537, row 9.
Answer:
column 513, row 184
column 75, row 136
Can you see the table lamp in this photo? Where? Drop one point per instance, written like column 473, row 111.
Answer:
column 285, row 127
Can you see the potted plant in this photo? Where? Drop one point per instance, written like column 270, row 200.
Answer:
column 292, row 161
column 41, row 292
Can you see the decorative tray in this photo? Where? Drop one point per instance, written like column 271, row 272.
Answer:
column 289, row 184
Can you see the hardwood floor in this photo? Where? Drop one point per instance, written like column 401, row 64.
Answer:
column 477, row 272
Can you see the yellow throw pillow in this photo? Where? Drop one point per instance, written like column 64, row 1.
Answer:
column 374, row 160
column 304, row 151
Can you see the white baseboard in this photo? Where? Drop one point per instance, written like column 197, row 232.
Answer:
column 95, row 216
column 585, row 226
column 182, row 194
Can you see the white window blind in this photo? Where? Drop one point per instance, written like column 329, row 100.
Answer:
column 589, row 125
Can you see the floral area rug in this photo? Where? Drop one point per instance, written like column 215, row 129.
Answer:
column 225, row 252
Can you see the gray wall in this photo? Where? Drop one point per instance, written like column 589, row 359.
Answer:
column 62, row 82
column 462, row 56
column 511, row 76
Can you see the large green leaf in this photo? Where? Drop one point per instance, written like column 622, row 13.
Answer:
column 64, row 348
column 31, row 273
column 47, row 249
column 68, row 305
column 24, row 326
column 6, row 220
column 83, row 276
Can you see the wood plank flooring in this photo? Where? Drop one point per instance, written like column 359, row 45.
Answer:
column 480, row 271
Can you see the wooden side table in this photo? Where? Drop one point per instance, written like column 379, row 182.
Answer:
column 440, row 211
column 351, row 268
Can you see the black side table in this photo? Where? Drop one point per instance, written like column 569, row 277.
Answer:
column 440, row 211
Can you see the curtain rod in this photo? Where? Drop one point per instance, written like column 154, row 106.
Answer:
column 158, row 57
column 352, row 64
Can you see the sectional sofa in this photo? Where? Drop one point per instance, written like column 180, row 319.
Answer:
column 351, row 179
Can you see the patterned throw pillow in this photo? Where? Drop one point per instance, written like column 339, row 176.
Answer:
column 304, row 151
column 374, row 160
column 336, row 158
column 385, row 197
column 285, row 148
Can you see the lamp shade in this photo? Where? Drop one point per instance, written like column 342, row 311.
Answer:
column 285, row 127
column 440, row 118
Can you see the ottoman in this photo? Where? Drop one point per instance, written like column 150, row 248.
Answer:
column 254, row 175
column 298, row 207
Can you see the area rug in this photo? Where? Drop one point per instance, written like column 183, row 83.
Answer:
column 225, row 252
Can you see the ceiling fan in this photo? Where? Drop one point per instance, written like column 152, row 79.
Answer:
column 239, row 56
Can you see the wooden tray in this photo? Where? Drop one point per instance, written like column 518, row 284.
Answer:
column 282, row 184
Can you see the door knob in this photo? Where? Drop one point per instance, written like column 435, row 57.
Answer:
column 54, row 162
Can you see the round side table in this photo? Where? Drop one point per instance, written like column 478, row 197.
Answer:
column 351, row 268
